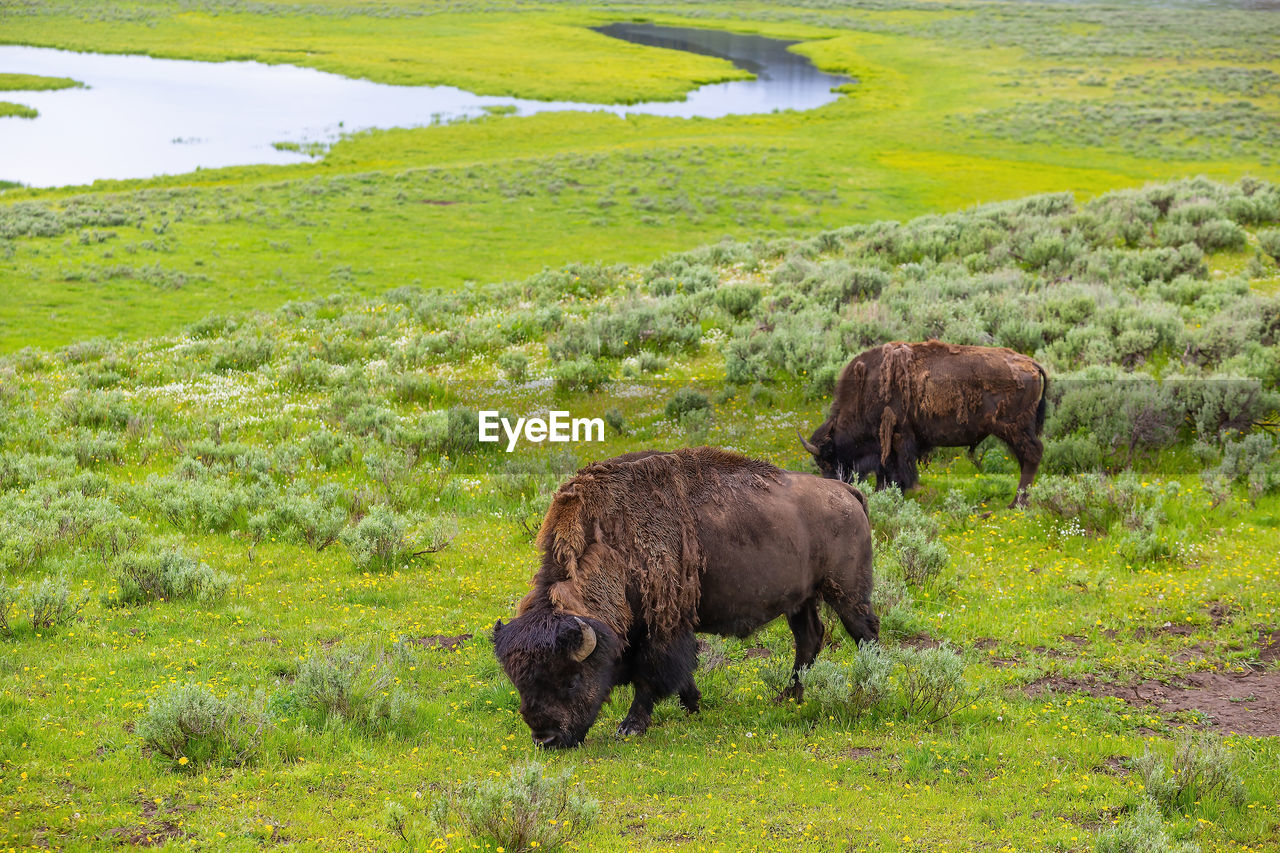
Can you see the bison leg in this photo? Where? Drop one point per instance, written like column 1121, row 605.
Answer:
column 640, row 714
column 808, row 631
column 973, row 454
column 1028, row 450
column 657, row 673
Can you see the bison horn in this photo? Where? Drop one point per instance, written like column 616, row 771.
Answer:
column 812, row 448
column 588, row 641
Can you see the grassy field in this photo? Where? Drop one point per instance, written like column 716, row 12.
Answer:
column 954, row 106
column 242, row 511
column 240, row 488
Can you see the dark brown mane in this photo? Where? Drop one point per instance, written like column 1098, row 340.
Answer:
column 629, row 526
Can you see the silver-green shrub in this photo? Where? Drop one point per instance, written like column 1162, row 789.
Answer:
column 187, row 721
column 1201, row 768
column 8, row 604
column 377, row 542
column 357, row 688
column 167, row 575
column 51, row 603
column 530, row 810
column 1141, row 831
column 931, row 682
column 849, row 690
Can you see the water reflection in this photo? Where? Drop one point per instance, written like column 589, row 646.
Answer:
column 141, row 116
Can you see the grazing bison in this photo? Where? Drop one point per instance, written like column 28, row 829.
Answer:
column 641, row 551
column 895, row 403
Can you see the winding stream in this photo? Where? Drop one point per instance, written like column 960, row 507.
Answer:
column 141, row 117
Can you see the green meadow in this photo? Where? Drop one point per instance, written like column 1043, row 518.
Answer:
column 251, row 550
column 953, row 106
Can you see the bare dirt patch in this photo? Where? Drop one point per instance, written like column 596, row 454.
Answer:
column 440, row 641
column 146, row 836
column 1168, row 629
column 921, row 641
column 1269, row 646
column 159, row 828
column 759, row 652
column 857, row 752
column 1222, row 613
column 1244, row 703
column 1112, row 765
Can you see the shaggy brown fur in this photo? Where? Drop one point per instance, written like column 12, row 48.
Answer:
column 631, row 522
column 895, row 402
column 640, row 551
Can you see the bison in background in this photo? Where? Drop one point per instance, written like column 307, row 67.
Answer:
column 895, row 403
column 641, row 551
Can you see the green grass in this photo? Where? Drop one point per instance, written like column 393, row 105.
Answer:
column 8, row 109
column 212, row 363
column 343, row 401
column 934, row 123
column 35, row 83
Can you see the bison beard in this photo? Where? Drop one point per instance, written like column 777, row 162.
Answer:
column 895, row 403
column 642, row 550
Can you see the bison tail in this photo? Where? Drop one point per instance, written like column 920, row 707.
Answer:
column 1044, row 399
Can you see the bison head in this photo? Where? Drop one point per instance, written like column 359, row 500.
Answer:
column 564, row 667
column 842, row 459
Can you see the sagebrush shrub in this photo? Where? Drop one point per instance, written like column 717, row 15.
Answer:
column 52, row 604
column 1142, row 541
column 529, row 810
column 187, row 721
column 8, row 606
column 849, row 689
column 168, row 575
column 686, row 402
column 329, row 449
column 1141, row 831
column 1252, row 460
column 1091, row 500
column 737, row 300
column 931, row 681
column 892, row 601
column 377, row 542
column 1269, row 240
column 1201, row 768
column 920, row 553
column 360, row 688
column 585, row 374
column 1219, row 405
column 515, row 365
column 1071, row 454
column 908, row 533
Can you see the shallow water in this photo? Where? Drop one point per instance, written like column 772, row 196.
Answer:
column 141, row 116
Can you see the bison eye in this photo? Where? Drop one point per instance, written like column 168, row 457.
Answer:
column 574, row 682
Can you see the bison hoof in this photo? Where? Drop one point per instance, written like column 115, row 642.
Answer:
column 631, row 728
column 794, row 693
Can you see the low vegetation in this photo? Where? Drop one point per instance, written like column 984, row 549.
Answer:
column 35, row 83
column 531, row 810
column 1030, row 99
column 251, row 550
column 9, row 109
column 273, row 546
